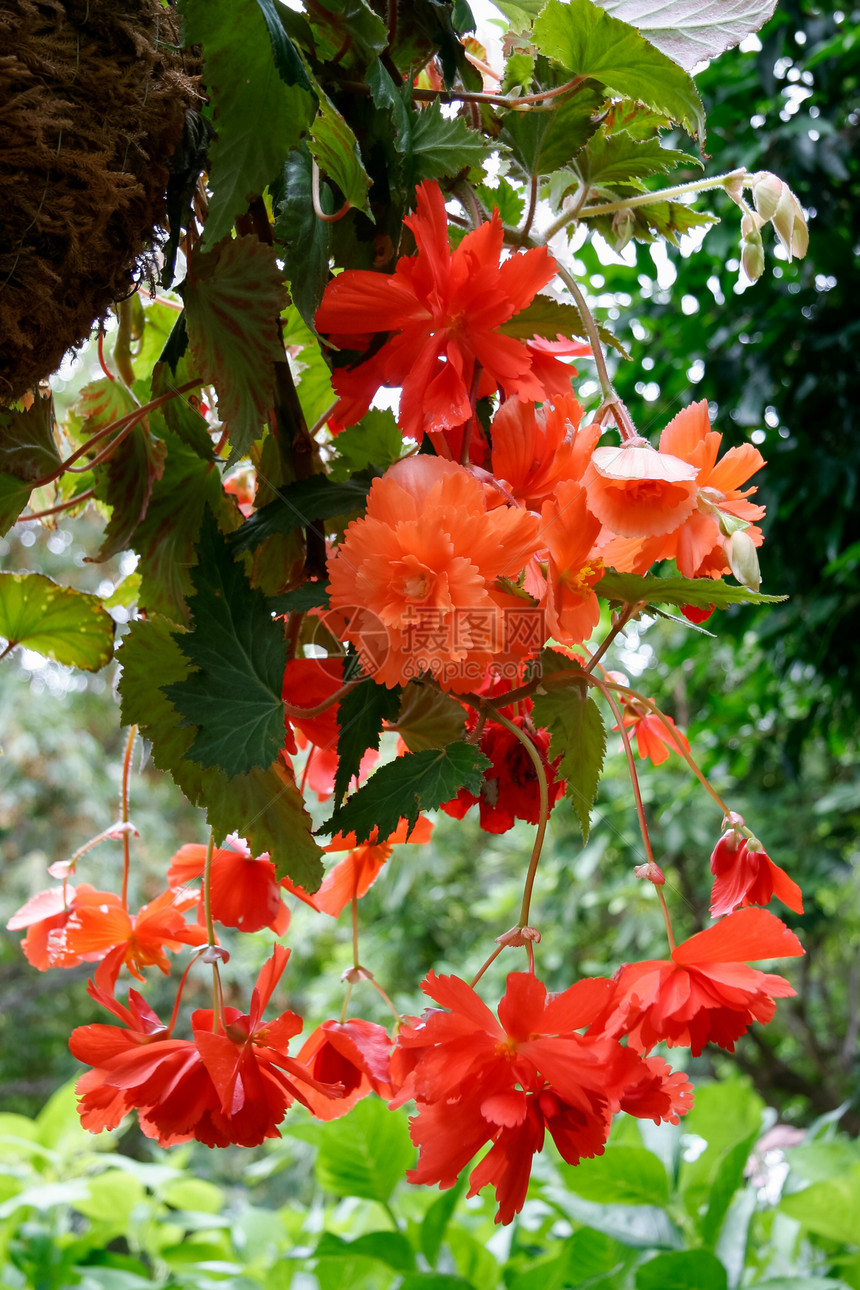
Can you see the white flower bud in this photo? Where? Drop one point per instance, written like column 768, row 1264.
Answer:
column 743, row 559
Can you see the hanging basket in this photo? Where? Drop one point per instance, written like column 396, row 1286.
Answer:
column 93, row 96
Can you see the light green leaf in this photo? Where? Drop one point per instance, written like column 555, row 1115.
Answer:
column 622, row 1175
column 335, row 148
column 264, row 806
column 193, row 1194
column 617, row 158
column 728, row 1178
column 404, row 788
column 238, row 655
column 579, row 738
column 391, row 1248
column 258, row 117
column 684, row 1270
column 692, row 31
column 66, row 625
column 830, row 1209
column 629, row 588
column 375, row 441
column 587, row 41
column 551, row 319
column 365, row 1153
column 233, row 296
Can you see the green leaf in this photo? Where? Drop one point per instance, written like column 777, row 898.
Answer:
column 391, row 1248
column 588, row 1254
column 623, row 1175
column 298, row 505
column 290, row 67
column 387, row 97
column 549, row 318
column 587, row 41
column 436, row 1220
column 376, row 441
column 578, row 736
column 27, row 447
column 820, row 1161
column 361, row 713
column 350, row 23
column 505, row 199
column 167, row 536
column 428, row 718
column 685, row 1270
column 729, row 1177
column 630, row 588
column 59, row 622
column 407, row 786
column 238, row 653
column 335, row 148
column 310, row 595
column 125, row 482
column 178, row 416
column 830, row 1209
column 306, row 240
column 692, row 31
column 257, row 116
column 668, row 220
column 441, row 146
column 724, row 1114
column 542, row 141
column 617, row 158
column 14, row 495
column 233, row 296
column 364, row 1154
column 264, row 806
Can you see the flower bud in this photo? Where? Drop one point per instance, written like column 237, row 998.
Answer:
column 775, row 201
column 743, row 560
column 766, row 191
column 650, row 871
column 623, row 224
column 752, row 251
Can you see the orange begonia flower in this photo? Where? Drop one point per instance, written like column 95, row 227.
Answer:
column 696, row 544
column 656, row 734
column 535, row 448
column 636, row 491
column 45, row 916
column 446, row 309
column 421, row 563
column 568, row 531
column 245, row 892
column 705, row 991
column 353, row 876
column 101, row 926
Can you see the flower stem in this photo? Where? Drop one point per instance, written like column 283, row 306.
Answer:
column 662, row 195
column 590, row 325
column 543, row 817
column 617, row 627
column 123, row 802
column 62, row 506
column 210, row 928
column 495, row 954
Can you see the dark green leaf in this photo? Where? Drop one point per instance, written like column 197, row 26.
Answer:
column 167, row 536
column 543, row 141
column 407, row 786
column 126, row 480
column 386, row 95
column 290, row 67
column 14, row 495
column 264, row 806
column 391, row 1248
column 623, row 1175
column 257, row 116
column 62, row 623
column 366, row 1153
column 360, row 716
column 428, row 718
column 298, row 505
column 178, row 415
column 310, row 595
column 630, row 588
column 441, row 146
column 684, row 1270
column 350, row 23
column 27, row 447
column 306, row 240
column 588, row 42
column 238, row 653
column 335, row 148
column 578, row 736
column 233, row 296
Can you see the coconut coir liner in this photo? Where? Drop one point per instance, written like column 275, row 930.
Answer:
column 92, row 103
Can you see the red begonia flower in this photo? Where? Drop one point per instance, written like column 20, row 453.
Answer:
column 445, row 309
column 506, row 1081
column 308, row 682
column 744, row 874
column 245, row 892
column 705, row 992
column 45, row 916
column 656, row 734
column 353, row 876
column 659, row 1094
column 509, row 789
column 353, row 1054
